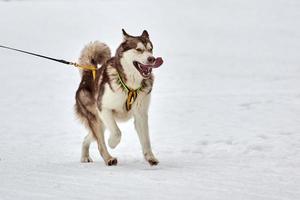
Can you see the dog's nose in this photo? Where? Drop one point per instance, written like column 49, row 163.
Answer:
column 151, row 59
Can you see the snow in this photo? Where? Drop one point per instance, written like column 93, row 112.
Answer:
column 224, row 117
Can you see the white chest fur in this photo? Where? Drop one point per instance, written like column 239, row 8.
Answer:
column 115, row 100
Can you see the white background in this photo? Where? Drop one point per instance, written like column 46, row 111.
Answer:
column 224, row 118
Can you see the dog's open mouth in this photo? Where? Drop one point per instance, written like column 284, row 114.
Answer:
column 146, row 69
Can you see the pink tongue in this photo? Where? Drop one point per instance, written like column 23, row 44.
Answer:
column 158, row 62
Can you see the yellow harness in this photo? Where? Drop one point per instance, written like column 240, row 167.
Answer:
column 131, row 93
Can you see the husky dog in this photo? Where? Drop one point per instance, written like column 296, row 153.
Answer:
column 121, row 90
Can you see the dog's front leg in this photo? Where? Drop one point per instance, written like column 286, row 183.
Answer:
column 141, row 126
column 109, row 122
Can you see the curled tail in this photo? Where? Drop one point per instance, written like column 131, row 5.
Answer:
column 94, row 53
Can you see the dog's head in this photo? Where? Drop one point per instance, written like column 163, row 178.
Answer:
column 136, row 56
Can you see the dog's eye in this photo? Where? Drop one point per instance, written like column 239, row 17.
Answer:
column 139, row 50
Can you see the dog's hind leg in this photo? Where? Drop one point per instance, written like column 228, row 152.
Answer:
column 97, row 128
column 85, row 154
column 87, row 110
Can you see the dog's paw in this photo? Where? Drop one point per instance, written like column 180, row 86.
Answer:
column 86, row 159
column 111, row 161
column 152, row 161
column 114, row 140
column 151, row 158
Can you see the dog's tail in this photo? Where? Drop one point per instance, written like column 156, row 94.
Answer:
column 95, row 53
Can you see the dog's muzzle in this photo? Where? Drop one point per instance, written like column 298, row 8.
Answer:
column 146, row 69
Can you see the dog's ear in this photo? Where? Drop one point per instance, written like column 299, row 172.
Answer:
column 145, row 34
column 125, row 35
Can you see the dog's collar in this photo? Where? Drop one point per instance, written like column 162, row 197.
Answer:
column 131, row 93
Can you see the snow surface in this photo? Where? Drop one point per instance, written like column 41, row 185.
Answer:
column 225, row 112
